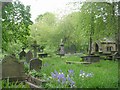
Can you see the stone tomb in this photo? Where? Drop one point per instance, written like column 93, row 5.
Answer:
column 12, row 69
column 91, row 58
column 35, row 64
column 29, row 56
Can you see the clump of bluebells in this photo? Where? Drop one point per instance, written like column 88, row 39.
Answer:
column 62, row 79
column 84, row 74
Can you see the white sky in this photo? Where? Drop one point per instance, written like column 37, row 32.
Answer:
column 41, row 6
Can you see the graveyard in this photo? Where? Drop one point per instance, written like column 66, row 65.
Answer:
column 79, row 51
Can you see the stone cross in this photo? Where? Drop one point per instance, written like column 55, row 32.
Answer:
column 22, row 53
column 34, row 45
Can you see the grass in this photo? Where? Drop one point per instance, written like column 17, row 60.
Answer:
column 105, row 72
column 8, row 84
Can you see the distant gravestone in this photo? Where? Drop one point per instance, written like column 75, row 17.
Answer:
column 22, row 54
column 61, row 49
column 29, row 56
column 12, row 69
column 35, row 64
column 35, row 46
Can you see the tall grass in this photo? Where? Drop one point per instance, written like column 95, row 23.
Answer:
column 105, row 72
column 8, row 84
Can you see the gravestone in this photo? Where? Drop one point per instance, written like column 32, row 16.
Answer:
column 61, row 49
column 12, row 69
column 35, row 64
column 35, row 46
column 29, row 56
column 22, row 54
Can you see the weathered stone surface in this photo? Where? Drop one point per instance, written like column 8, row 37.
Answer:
column 29, row 56
column 12, row 69
column 35, row 64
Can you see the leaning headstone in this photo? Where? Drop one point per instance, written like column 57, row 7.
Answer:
column 12, row 69
column 22, row 54
column 35, row 64
column 29, row 56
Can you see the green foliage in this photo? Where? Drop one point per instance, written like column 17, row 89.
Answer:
column 8, row 84
column 15, row 25
column 75, row 28
column 105, row 72
column 104, row 19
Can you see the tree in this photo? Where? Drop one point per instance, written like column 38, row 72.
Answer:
column 43, row 31
column 15, row 24
column 104, row 20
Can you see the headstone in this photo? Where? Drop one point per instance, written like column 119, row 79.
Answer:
column 35, row 46
column 35, row 64
column 62, row 51
column 12, row 69
column 29, row 56
column 22, row 54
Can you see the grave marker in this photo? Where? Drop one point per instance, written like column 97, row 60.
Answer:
column 62, row 51
column 12, row 68
column 29, row 56
column 35, row 46
column 35, row 64
column 22, row 54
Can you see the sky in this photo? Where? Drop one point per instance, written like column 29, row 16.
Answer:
column 58, row 7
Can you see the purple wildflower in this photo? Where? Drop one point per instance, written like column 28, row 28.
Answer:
column 71, row 72
column 89, row 75
column 53, row 75
column 70, row 81
column 61, row 78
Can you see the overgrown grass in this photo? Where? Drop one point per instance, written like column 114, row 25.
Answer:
column 8, row 84
column 105, row 72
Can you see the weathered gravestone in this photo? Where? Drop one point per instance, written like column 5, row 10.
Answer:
column 12, row 69
column 35, row 46
column 29, row 56
column 22, row 54
column 35, row 64
column 61, row 49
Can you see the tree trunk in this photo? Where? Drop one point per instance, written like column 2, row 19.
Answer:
column 118, row 28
